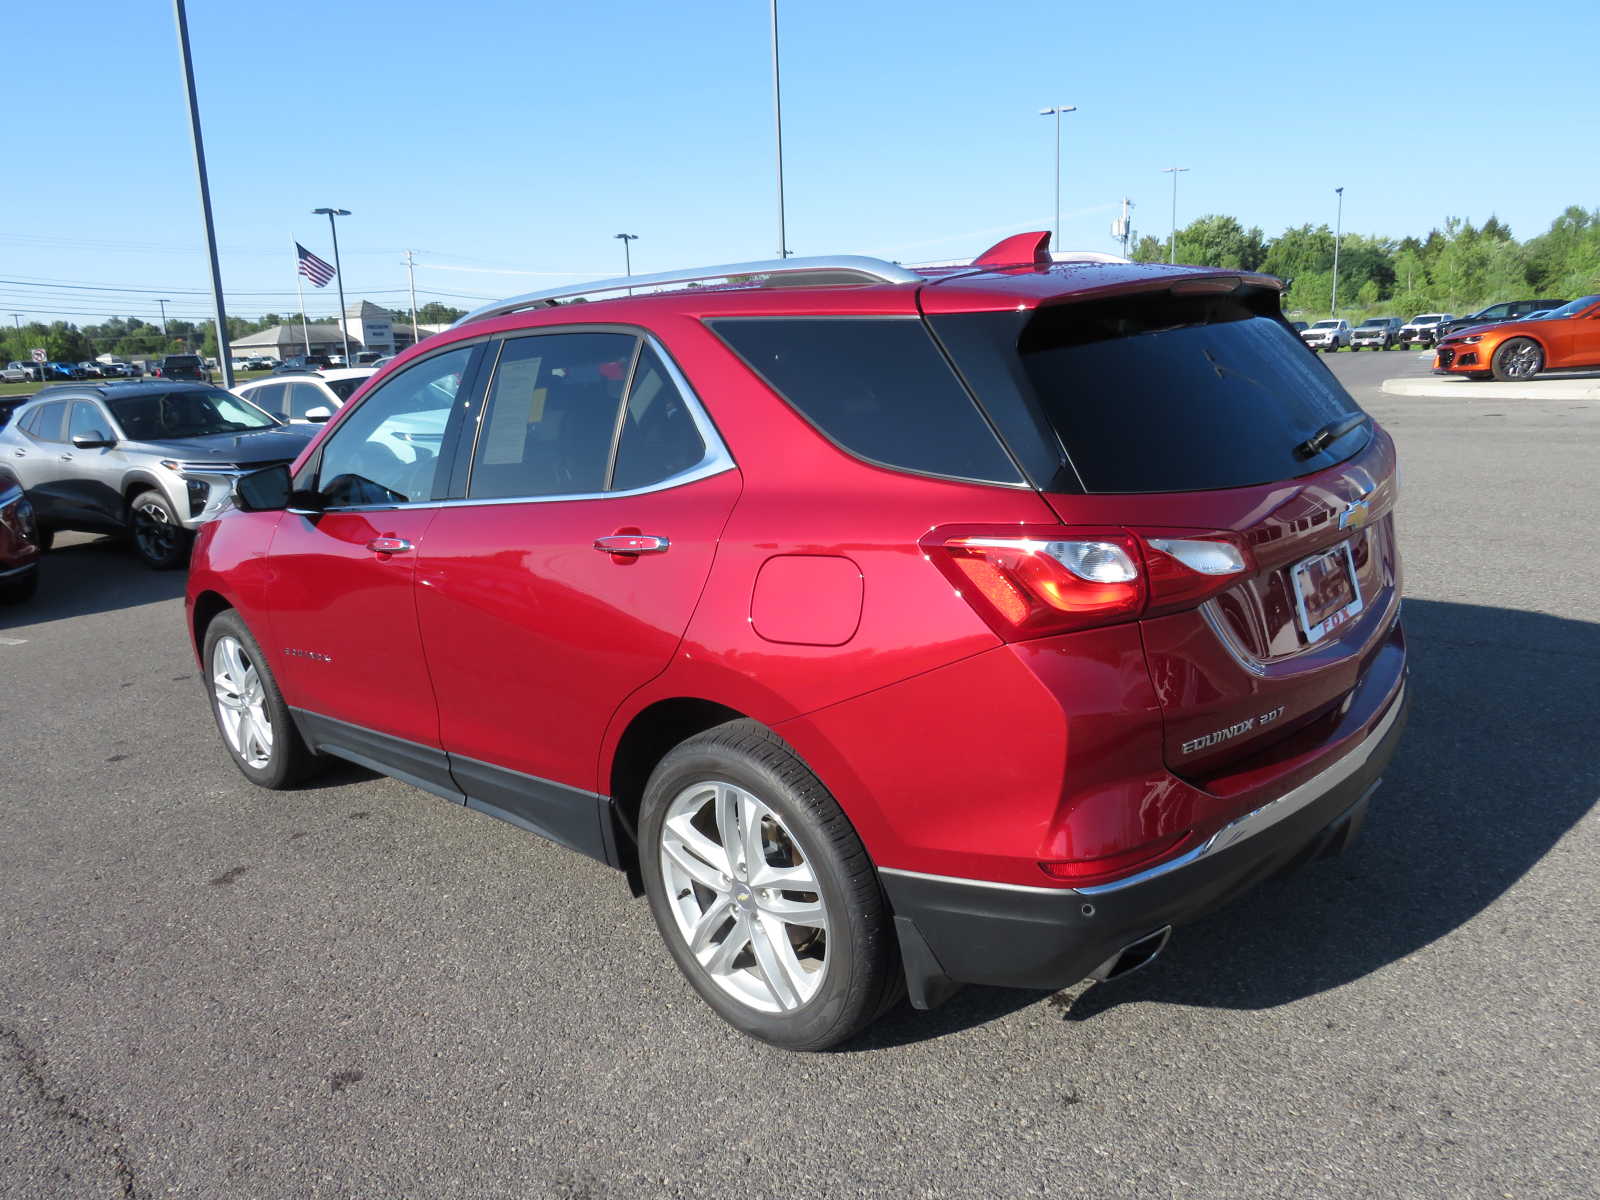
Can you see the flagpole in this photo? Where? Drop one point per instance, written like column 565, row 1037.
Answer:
column 305, row 333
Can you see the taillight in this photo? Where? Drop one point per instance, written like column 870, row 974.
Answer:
column 1086, row 871
column 1028, row 581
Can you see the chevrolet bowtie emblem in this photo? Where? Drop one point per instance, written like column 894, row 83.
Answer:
column 1355, row 515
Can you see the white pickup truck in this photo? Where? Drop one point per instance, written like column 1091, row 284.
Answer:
column 1327, row 336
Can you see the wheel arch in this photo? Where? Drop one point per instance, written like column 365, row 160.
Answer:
column 647, row 738
column 139, row 481
column 208, row 605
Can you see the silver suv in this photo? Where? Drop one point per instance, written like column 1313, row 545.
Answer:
column 154, row 459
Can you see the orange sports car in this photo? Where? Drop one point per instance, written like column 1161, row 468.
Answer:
column 1568, row 336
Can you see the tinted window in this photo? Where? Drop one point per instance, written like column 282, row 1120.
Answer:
column 269, row 396
column 387, row 451
column 659, row 438
column 878, row 387
column 87, row 421
column 45, row 423
column 1163, row 394
column 343, row 388
column 551, row 416
column 192, row 412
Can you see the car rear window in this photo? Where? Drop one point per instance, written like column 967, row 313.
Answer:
column 878, row 388
column 182, row 360
column 1158, row 393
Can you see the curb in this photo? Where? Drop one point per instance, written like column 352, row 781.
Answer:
column 1469, row 389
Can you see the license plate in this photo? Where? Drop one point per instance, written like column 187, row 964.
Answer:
column 1326, row 593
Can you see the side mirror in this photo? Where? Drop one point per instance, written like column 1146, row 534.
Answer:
column 266, row 490
column 93, row 440
column 320, row 415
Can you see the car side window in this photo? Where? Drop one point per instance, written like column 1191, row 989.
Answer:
column 551, row 416
column 45, row 425
column 387, row 451
column 303, row 397
column 87, row 421
column 658, row 438
column 1497, row 310
column 268, row 396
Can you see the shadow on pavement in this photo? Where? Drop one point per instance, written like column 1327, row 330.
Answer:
column 93, row 575
column 1496, row 766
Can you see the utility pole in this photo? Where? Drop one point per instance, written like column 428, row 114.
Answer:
column 1338, row 229
column 17, row 320
column 1057, row 111
column 627, row 258
column 777, row 116
column 411, row 275
column 1122, row 227
column 224, row 358
column 163, row 304
column 1172, row 251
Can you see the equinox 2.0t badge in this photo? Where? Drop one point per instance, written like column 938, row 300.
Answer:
column 1219, row 736
column 311, row 654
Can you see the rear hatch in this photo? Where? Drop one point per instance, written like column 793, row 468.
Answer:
column 1191, row 420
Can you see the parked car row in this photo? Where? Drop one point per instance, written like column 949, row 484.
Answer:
column 154, row 459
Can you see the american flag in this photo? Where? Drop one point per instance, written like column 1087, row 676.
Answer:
column 312, row 267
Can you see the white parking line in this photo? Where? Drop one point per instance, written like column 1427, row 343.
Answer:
column 5, row 641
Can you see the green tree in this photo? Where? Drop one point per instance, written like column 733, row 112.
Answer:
column 1216, row 240
column 1149, row 250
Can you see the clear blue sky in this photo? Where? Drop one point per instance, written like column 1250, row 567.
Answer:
column 520, row 136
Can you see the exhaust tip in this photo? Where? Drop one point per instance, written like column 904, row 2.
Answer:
column 1140, row 952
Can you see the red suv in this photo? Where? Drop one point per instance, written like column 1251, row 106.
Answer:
column 888, row 628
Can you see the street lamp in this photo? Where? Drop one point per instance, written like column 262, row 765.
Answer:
column 1172, row 246
column 344, row 330
column 1338, row 229
column 627, row 258
column 777, row 119
column 1057, row 111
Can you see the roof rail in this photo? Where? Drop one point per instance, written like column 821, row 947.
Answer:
column 825, row 271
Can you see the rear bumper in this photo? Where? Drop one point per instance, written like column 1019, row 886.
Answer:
column 955, row 931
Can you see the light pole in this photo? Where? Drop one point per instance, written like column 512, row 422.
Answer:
column 627, row 258
column 344, row 329
column 777, row 117
column 224, row 358
column 1338, row 229
column 1057, row 111
column 163, row 304
column 1172, row 250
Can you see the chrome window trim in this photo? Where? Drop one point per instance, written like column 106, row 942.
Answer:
column 716, row 460
column 1256, row 821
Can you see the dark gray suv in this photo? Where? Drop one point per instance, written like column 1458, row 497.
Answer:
column 155, row 459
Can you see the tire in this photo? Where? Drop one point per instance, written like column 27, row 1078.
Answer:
column 1518, row 360
column 159, row 538
column 799, row 990
column 249, row 710
column 15, row 591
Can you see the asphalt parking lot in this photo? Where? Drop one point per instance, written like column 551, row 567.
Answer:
column 359, row 990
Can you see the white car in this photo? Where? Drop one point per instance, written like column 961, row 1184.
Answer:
column 1423, row 329
column 1327, row 335
column 309, row 398
column 313, row 397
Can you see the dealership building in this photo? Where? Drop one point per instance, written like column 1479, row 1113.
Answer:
column 371, row 328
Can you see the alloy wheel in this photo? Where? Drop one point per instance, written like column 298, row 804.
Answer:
column 1522, row 362
column 154, row 531
column 241, row 700
column 744, row 896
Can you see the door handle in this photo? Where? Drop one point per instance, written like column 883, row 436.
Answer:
column 66, row 458
column 388, row 545
column 630, row 545
column 19, row 454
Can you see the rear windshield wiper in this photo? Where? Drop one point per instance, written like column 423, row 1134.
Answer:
column 1328, row 434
